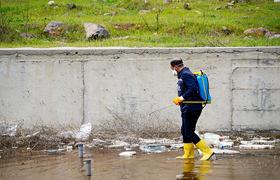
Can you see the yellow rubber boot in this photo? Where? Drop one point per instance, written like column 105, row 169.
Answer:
column 189, row 151
column 204, row 148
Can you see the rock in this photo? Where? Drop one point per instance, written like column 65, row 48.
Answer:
column 71, row 5
column 107, row 14
column 51, row 3
column 167, row 1
column 27, row 35
column 186, row 6
column 81, row 13
column 275, row 36
column 123, row 9
column 249, row 31
column 248, row 37
column 269, row 34
column 56, row 7
column 143, row 12
column 258, row 32
column 113, row 12
column 54, row 28
column 96, row 31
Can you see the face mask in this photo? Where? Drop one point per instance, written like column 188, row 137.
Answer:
column 174, row 73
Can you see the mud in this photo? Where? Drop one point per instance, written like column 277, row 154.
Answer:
column 249, row 164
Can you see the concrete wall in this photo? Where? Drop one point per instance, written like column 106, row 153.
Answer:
column 80, row 85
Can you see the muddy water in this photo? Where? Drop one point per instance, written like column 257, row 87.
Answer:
column 108, row 165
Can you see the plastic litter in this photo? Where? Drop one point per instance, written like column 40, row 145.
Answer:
column 118, row 144
column 212, row 139
column 176, row 146
column 127, row 153
column 84, row 132
column 155, row 149
column 179, row 177
column 254, row 146
column 8, row 129
column 54, row 153
column 219, row 146
column 224, row 151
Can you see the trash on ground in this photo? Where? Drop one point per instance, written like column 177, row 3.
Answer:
column 212, row 139
column 155, row 149
column 54, row 153
column 224, row 151
column 255, row 146
column 258, row 142
column 176, row 146
column 127, row 153
column 84, row 132
column 8, row 129
column 118, row 144
column 226, row 144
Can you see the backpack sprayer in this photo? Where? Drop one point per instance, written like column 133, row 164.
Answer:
column 203, row 88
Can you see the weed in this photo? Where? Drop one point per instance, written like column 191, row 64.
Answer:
column 174, row 25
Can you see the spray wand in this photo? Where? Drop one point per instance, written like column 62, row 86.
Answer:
column 160, row 109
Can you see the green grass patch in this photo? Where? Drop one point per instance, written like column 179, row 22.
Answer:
column 175, row 26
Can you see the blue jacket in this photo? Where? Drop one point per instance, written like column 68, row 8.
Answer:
column 187, row 87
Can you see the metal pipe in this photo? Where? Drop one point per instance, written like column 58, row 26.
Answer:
column 80, row 145
column 88, row 167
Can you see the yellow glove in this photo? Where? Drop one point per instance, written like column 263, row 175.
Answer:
column 177, row 101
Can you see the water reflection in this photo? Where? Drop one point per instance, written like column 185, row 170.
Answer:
column 194, row 169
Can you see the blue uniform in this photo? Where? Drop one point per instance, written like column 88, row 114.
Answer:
column 187, row 87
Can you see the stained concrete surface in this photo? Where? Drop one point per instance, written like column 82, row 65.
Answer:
column 249, row 164
column 75, row 86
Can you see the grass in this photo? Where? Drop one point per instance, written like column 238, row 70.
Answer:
column 176, row 27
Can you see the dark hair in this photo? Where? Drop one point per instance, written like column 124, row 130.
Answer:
column 177, row 63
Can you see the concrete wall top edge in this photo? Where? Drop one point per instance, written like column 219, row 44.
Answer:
column 128, row 50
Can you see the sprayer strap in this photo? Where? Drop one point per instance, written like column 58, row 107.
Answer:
column 203, row 102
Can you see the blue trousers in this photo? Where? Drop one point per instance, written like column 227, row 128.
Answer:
column 189, row 120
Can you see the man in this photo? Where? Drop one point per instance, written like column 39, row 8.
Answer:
column 190, row 112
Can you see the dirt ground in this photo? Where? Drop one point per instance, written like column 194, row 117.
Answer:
column 249, row 164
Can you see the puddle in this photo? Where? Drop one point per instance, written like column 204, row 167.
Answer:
column 253, row 164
